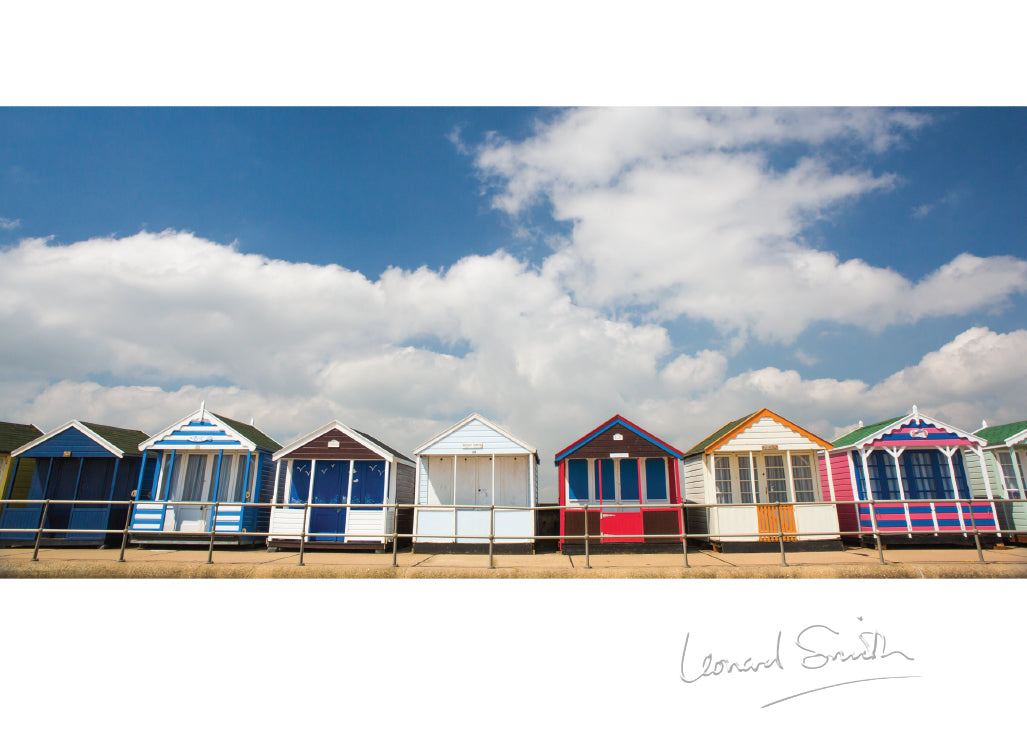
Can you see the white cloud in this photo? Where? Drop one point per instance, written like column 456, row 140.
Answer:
column 681, row 212
column 8, row 224
column 138, row 331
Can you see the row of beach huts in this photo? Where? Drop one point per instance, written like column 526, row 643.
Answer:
column 749, row 485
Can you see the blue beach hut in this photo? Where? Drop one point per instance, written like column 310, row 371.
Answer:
column 207, row 465
column 76, row 467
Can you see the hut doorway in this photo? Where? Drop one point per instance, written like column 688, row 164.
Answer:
column 331, row 487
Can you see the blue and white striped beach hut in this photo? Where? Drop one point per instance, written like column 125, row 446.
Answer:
column 207, row 464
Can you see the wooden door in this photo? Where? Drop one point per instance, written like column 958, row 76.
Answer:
column 768, row 522
column 331, row 481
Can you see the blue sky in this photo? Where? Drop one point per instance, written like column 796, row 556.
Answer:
column 546, row 267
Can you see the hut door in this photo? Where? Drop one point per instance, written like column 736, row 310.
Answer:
column 621, row 478
column 483, row 495
column 195, row 481
column 331, row 484
column 63, row 479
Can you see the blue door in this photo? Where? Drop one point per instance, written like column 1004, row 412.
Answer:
column 368, row 484
column 64, row 477
column 331, row 479
column 94, row 484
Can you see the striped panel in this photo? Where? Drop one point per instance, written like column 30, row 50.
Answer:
column 148, row 516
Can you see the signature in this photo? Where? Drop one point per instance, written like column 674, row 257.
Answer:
column 821, row 644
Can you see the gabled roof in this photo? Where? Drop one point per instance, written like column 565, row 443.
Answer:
column 364, row 439
column 1001, row 435
column 475, row 416
column 724, row 434
column 250, row 433
column 867, row 430
column 13, row 435
column 246, row 434
column 868, row 434
column 618, row 420
column 390, row 449
column 119, row 441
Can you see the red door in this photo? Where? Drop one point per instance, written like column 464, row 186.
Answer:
column 618, row 521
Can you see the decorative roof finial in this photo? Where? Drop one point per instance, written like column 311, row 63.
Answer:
column 251, row 420
column 984, row 423
column 203, row 404
column 860, row 422
column 916, row 414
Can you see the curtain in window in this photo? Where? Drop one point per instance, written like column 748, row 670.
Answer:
column 802, row 478
column 192, row 487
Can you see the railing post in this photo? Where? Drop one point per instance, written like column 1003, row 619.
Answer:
column 780, row 534
column 977, row 533
column 124, row 534
column 303, row 529
column 877, row 531
column 684, row 536
column 213, row 528
column 39, row 530
column 588, row 563
column 395, row 532
column 492, row 534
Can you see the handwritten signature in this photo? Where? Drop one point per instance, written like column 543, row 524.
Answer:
column 822, row 645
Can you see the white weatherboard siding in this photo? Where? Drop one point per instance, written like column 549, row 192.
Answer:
column 694, row 480
column 365, row 525
column 286, row 522
column 816, row 518
column 464, row 440
column 768, row 432
column 738, row 519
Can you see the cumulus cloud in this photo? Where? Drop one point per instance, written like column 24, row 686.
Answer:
column 138, row 331
column 8, row 224
column 683, row 212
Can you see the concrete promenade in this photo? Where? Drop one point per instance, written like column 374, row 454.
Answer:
column 258, row 563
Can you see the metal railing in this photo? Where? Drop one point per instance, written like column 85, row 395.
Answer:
column 391, row 538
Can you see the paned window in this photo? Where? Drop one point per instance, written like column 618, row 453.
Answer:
column 802, row 478
column 1005, row 460
column 722, row 479
column 745, row 479
column 777, row 481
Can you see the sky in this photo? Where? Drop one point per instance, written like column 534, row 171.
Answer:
column 398, row 268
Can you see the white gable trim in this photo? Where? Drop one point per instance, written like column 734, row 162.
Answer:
column 77, row 426
column 474, row 416
column 336, row 425
column 916, row 416
column 202, row 415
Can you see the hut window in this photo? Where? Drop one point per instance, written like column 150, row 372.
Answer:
column 655, row 479
column 745, row 479
column 1005, row 459
column 802, row 478
column 628, row 479
column 607, row 479
column 192, row 486
column 577, row 480
column 923, row 476
column 224, row 488
column 883, row 482
column 777, row 482
column 722, row 477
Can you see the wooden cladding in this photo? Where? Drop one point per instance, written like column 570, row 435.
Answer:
column 634, row 445
column 347, row 448
column 767, row 515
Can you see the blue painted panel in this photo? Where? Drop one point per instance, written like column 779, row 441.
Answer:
column 27, row 517
column 368, row 483
column 73, row 440
column 300, row 482
column 331, row 478
column 93, row 517
column 604, row 473
column 858, row 466
column 577, row 477
column 656, row 479
column 628, row 479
